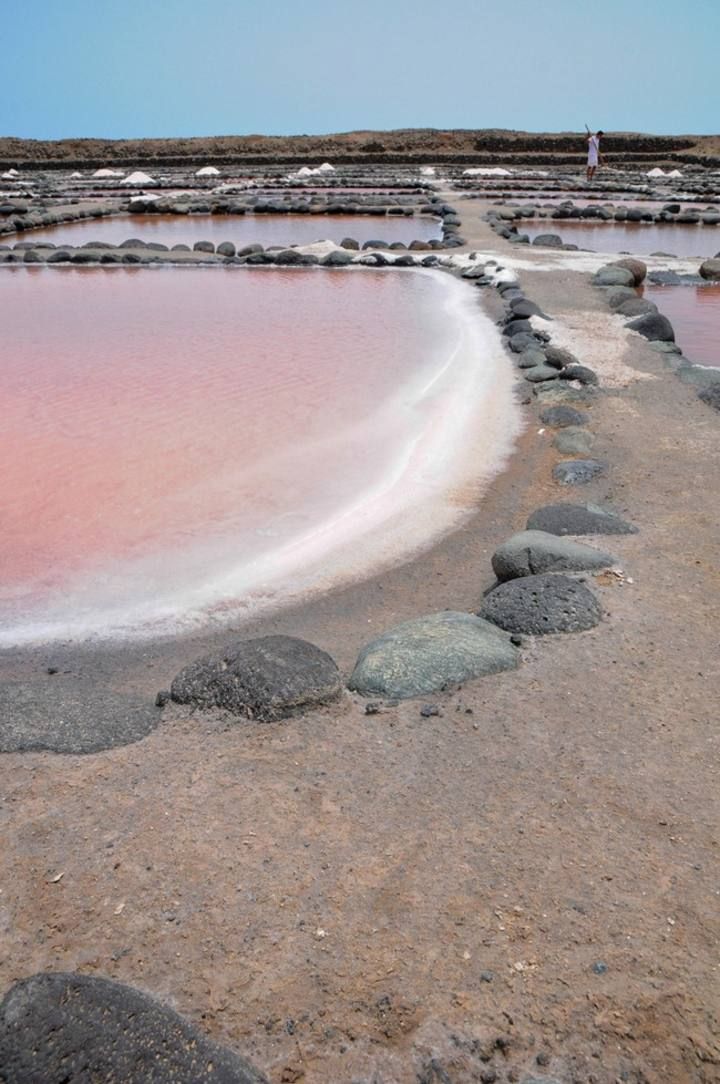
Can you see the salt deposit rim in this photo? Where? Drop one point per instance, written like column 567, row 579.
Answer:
column 323, row 551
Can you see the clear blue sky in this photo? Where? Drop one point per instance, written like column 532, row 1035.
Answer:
column 131, row 68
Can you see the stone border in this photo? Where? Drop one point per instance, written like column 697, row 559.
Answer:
column 22, row 218
column 618, row 281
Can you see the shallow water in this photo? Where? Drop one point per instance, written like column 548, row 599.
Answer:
column 694, row 313
column 640, row 238
column 179, row 445
column 241, row 229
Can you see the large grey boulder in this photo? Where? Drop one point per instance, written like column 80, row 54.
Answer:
column 577, row 519
column 426, row 654
column 619, row 295
column 548, row 240
column 636, row 306
column 653, row 326
column 574, row 441
column 530, row 359
column 530, row 553
column 539, row 373
column 58, row 1028
column 701, row 376
column 711, row 396
column 559, row 357
column 578, row 472
column 613, row 276
column 269, row 678
column 631, row 263
column 582, row 373
column 542, row 604
column 558, row 417
column 710, row 269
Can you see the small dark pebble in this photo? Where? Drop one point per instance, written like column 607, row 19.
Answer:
column 372, row 708
column 543, row 1058
column 487, row 976
column 488, row 1076
column 599, row 967
column 429, row 709
column 516, row 641
column 52, row 669
column 162, row 698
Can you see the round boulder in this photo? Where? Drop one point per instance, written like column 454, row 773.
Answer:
column 653, row 326
column 711, row 396
column 270, row 678
column 635, row 266
column 540, row 604
column 559, row 357
column 636, row 306
column 426, row 654
column 531, row 553
column 578, row 472
column 577, row 519
column 60, row 1027
column 581, row 373
column 710, row 269
column 613, row 276
column 574, row 441
column 558, row 417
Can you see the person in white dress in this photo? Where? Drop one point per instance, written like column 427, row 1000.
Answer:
column 594, row 156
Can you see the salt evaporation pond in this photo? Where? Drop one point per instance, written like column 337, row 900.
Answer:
column 640, row 238
column 241, row 229
column 184, row 446
column 694, row 313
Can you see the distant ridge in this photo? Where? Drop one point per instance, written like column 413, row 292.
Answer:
column 488, row 146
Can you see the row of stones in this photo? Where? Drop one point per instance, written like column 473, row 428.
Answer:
column 634, row 185
column 18, row 217
column 618, row 281
column 136, row 251
column 670, row 212
column 275, row 677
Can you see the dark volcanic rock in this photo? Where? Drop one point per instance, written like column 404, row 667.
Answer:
column 637, row 268
column 542, row 604
column 578, row 472
column 269, row 678
column 336, row 259
column 428, row 653
column 203, row 246
column 77, row 1029
column 577, row 519
column 636, row 306
column 530, row 553
column 548, row 240
column 710, row 269
column 654, row 326
column 711, row 396
column 580, row 373
column 558, row 417
column 64, row 715
column 559, row 357
column 517, row 327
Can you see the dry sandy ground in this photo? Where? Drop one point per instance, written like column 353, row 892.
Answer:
column 393, row 898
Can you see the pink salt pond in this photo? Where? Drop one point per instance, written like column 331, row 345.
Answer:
column 694, row 312
column 241, row 229
column 179, row 446
column 639, row 238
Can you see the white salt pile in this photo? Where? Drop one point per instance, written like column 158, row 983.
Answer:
column 100, row 173
column 138, row 177
column 208, row 171
column 489, row 171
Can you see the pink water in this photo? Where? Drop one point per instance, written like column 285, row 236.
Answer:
column 241, row 229
column 640, row 238
column 694, row 312
column 177, row 443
